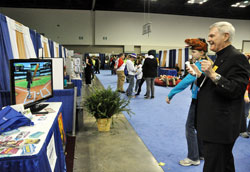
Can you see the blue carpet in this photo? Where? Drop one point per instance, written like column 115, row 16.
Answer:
column 161, row 127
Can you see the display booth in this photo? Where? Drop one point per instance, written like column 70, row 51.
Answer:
column 35, row 148
column 20, row 42
column 169, row 58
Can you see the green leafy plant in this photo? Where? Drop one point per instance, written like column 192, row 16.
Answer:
column 104, row 103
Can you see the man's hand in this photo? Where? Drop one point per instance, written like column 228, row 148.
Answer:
column 206, row 67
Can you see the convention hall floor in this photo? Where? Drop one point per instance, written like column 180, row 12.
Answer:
column 120, row 150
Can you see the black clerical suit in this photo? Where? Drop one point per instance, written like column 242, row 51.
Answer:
column 220, row 109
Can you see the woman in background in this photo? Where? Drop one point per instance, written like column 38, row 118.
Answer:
column 88, row 70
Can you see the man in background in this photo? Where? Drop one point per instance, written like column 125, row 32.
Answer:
column 119, row 67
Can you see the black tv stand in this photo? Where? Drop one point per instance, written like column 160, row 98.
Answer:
column 37, row 107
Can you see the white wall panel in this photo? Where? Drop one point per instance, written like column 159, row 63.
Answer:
column 62, row 26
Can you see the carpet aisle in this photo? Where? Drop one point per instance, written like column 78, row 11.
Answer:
column 161, row 126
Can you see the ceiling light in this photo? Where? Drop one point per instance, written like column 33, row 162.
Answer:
column 241, row 4
column 196, row 1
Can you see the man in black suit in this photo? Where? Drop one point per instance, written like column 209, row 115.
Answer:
column 220, row 108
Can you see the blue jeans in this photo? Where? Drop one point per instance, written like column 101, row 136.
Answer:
column 194, row 144
column 131, row 81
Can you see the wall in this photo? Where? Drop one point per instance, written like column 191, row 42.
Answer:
column 167, row 30
column 62, row 26
column 95, row 49
column 106, row 28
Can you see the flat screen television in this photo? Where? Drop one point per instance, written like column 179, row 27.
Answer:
column 31, row 82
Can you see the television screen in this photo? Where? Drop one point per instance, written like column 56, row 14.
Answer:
column 31, row 81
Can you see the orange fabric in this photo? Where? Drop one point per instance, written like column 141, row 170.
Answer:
column 20, row 45
column 180, row 59
column 163, row 64
column 46, row 54
column 57, row 52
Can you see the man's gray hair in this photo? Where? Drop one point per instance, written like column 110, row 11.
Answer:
column 224, row 27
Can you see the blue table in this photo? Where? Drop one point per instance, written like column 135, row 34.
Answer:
column 40, row 162
column 167, row 71
column 78, row 84
column 66, row 96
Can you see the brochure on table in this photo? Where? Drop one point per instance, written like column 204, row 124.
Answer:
column 28, row 140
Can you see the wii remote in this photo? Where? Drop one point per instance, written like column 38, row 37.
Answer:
column 189, row 66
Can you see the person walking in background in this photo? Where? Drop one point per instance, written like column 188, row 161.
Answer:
column 138, row 74
column 88, row 70
column 112, row 65
column 220, row 106
column 246, row 133
column 149, row 70
column 131, row 74
column 142, row 80
column 119, row 67
column 125, row 60
column 194, row 144
column 97, row 65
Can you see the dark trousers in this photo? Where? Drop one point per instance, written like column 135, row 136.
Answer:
column 139, row 89
column 218, row 157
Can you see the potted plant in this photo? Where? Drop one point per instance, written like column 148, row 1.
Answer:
column 103, row 104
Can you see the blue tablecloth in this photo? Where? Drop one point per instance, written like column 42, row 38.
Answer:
column 38, row 162
column 65, row 96
column 166, row 71
column 78, row 84
column 4, row 98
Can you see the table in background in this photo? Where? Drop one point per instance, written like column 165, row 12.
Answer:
column 167, row 71
column 51, row 139
column 78, row 84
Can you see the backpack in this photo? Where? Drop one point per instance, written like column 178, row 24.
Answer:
column 126, row 71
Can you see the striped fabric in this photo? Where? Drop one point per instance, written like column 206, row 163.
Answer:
column 21, row 43
column 168, row 58
column 45, row 46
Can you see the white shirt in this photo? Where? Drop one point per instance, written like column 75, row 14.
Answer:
column 130, row 67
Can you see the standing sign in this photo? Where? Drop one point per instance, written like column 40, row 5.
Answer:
column 51, row 153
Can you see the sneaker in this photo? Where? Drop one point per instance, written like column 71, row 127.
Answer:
column 188, row 162
column 244, row 135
